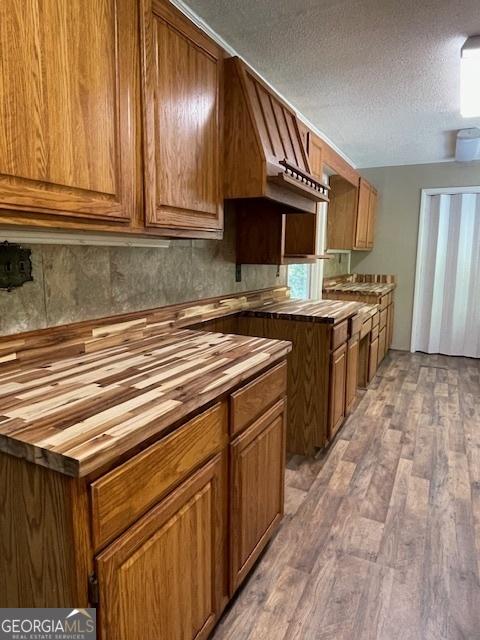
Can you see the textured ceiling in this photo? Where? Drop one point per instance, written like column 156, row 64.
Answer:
column 379, row 77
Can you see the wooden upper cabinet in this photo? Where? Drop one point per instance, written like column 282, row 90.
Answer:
column 315, row 156
column 351, row 215
column 372, row 215
column 182, row 80
column 341, row 213
column 67, row 107
column 363, row 208
column 165, row 577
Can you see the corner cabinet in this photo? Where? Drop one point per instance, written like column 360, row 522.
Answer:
column 67, row 140
column 182, row 105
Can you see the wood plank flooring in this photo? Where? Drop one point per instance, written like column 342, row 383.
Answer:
column 382, row 534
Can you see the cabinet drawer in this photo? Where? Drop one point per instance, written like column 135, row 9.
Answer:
column 376, row 320
column 374, row 333
column 384, row 301
column 383, row 318
column 355, row 324
column 366, row 328
column 120, row 497
column 249, row 402
column 339, row 334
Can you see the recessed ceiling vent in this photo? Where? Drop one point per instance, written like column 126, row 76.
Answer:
column 468, row 145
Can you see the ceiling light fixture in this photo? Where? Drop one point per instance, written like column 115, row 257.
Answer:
column 470, row 78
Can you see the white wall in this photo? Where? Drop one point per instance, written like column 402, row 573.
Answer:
column 395, row 248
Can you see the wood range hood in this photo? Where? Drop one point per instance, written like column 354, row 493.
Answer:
column 266, row 163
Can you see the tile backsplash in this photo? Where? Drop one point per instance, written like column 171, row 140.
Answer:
column 73, row 283
column 337, row 265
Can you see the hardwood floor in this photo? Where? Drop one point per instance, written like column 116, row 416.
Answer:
column 382, row 534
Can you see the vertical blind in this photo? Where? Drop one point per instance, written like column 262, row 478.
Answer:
column 448, row 298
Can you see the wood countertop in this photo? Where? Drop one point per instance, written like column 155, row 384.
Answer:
column 368, row 310
column 324, row 311
column 76, row 415
column 365, row 288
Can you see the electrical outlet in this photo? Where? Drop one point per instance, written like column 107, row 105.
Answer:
column 15, row 266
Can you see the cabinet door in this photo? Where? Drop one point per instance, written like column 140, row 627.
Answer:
column 390, row 324
column 338, row 374
column 373, row 359
column 352, row 373
column 182, row 71
column 315, row 156
column 165, row 577
column 257, row 486
column 382, row 341
column 67, row 108
column 372, row 216
column 361, row 230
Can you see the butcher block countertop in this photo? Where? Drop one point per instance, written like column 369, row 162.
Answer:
column 367, row 310
column 78, row 414
column 324, row 311
column 366, row 288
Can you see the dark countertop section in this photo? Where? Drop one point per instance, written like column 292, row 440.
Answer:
column 324, row 311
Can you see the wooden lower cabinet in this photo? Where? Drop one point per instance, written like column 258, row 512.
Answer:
column 373, row 364
column 338, row 371
column 352, row 373
column 165, row 577
column 159, row 542
column 382, row 344
column 257, row 473
column 390, row 320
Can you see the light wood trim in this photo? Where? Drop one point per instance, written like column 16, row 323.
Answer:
column 249, row 402
column 123, row 495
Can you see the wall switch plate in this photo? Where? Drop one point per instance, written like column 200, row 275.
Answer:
column 15, row 265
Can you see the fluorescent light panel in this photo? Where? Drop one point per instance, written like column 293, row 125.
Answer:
column 470, row 78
